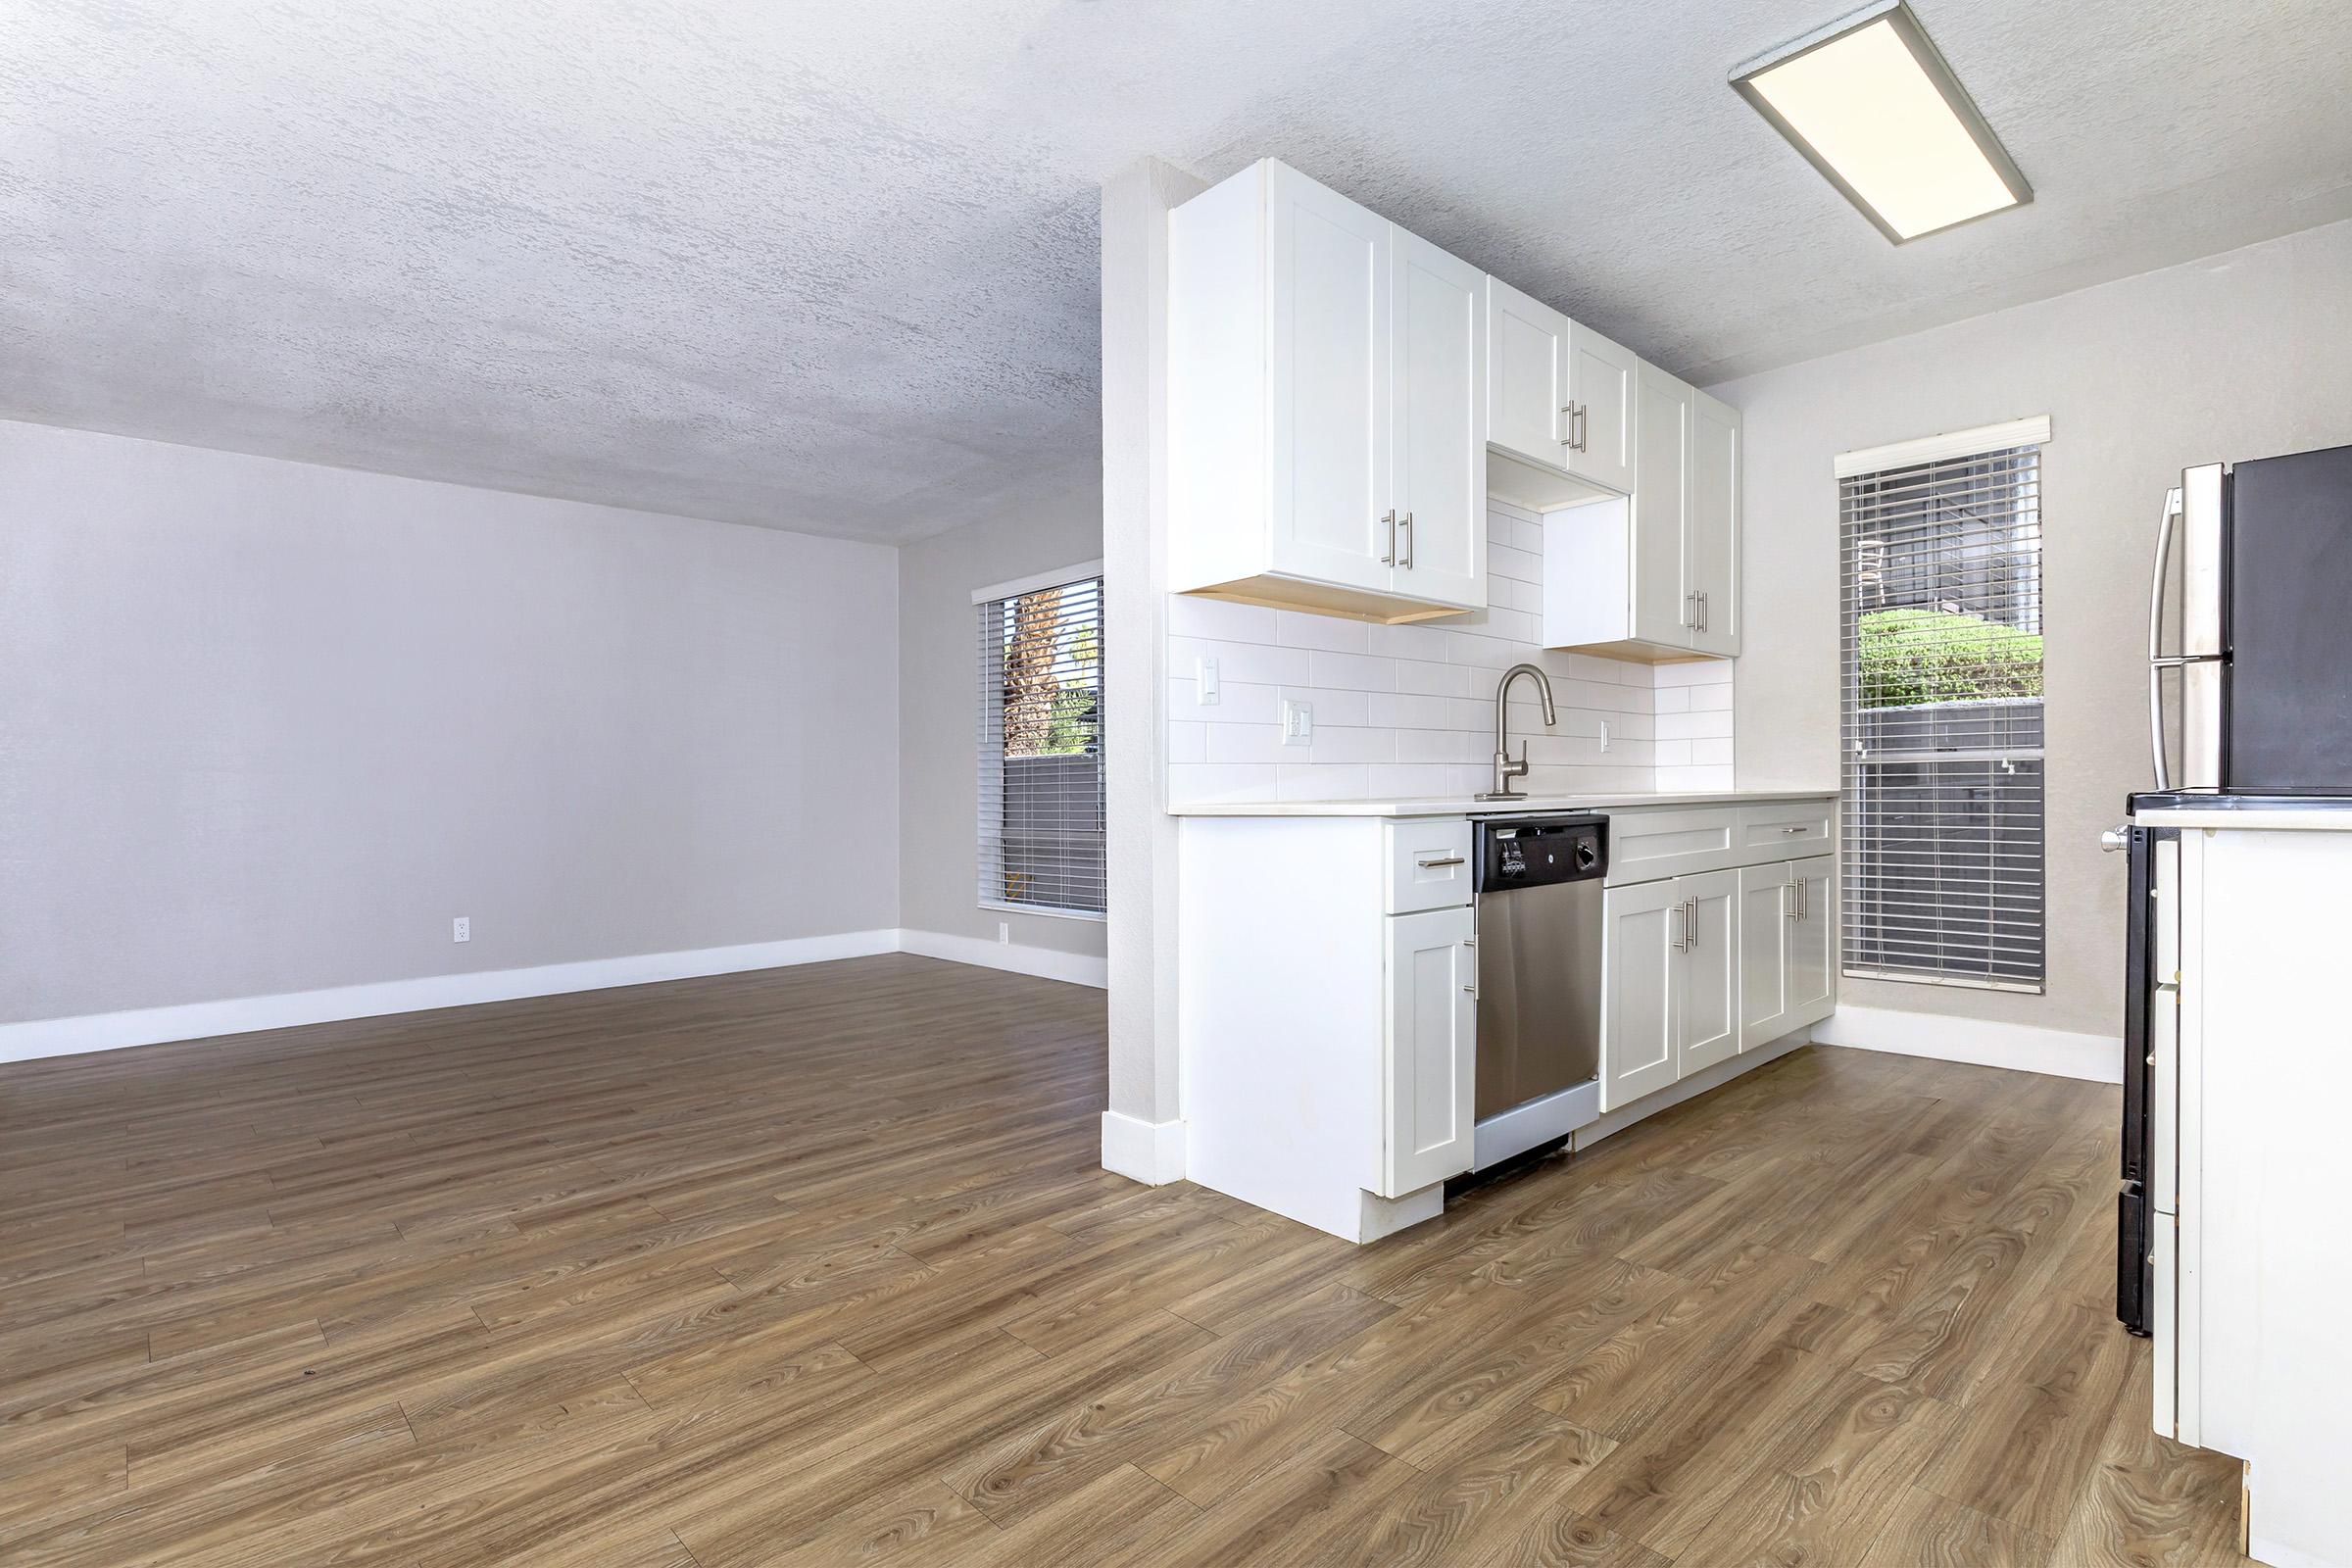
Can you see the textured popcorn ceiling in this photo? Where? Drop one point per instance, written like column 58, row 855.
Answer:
column 832, row 267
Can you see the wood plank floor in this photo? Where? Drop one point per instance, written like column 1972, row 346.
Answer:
column 816, row 1267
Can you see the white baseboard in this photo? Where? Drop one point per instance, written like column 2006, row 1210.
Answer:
column 199, row 1020
column 1047, row 963
column 1977, row 1042
column 1149, row 1151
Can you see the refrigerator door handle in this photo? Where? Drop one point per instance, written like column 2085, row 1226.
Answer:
column 2158, row 660
column 2156, row 667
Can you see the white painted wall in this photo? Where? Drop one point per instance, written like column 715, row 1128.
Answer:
column 1411, row 710
column 939, row 691
column 266, row 726
column 2242, row 354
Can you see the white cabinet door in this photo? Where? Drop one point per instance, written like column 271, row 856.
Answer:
column 1330, row 384
column 1431, row 1051
column 1662, row 586
column 1812, row 942
column 1767, row 908
column 1440, row 447
column 1710, row 969
column 1712, row 548
column 1527, row 376
column 1640, row 1018
column 1601, row 384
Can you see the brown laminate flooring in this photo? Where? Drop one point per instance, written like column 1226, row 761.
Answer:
column 818, row 1266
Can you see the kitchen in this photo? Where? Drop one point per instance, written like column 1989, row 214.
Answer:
column 1357, row 986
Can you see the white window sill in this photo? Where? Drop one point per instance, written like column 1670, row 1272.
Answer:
column 1047, row 911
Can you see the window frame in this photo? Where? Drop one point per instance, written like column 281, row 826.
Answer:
column 982, row 599
column 1856, row 905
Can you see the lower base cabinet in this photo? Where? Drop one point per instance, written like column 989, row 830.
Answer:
column 1430, row 1066
column 1704, row 966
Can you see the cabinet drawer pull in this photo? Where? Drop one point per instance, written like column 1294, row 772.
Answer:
column 1430, row 863
column 1389, row 559
column 1405, row 555
column 1801, row 827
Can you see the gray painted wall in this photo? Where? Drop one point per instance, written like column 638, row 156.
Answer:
column 2242, row 354
column 939, row 683
column 266, row 726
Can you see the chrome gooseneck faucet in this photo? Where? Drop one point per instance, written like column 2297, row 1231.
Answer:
column 1506, row 766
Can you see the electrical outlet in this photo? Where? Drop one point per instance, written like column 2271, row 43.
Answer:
column 1004, row 931
column 1298, row 723
column 1206, row 684
column 1604, row 734
column 461, row 929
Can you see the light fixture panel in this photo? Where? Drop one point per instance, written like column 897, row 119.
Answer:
column 1871, row 104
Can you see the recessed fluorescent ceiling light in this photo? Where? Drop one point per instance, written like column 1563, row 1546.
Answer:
column 1870, row 102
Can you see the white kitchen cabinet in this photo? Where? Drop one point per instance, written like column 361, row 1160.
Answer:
column 1711, row 549
column 1601, row 387
column 1671, row 991
column 1786, row 922
column 1530, row 414
column 1710, row 970
column 1654, row 576
column 1767, row 906
column 1326, row 387
column 1812, row 942
column 1642, row 996
column 1559, row 398
column 1430, row 1054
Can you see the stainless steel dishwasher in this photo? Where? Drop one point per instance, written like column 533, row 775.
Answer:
column 1539, row 886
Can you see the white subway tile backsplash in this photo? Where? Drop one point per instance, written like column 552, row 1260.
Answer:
column 1397, row 711
column 1245, row 743
column 1262, row 663
column 1409, row 710
column 1355, row 671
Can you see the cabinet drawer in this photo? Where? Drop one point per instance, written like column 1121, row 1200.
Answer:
column 1429, row 864
column 1645, row 846
column 1796, row 827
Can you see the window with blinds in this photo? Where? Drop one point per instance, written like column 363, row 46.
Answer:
column 1940, row 575
column 1041, row 748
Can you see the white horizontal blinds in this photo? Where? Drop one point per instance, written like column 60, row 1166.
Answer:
column 1940, row 577
column 1040, row 749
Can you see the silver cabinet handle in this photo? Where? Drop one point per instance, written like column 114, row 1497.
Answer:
column 1805, row 899
column 1472, row 944
column 1687, row 912
column 1798, row 828
column 1404, row 523
column 1568, row 426
column 1788, row 901
column 1584, row 427
column 1691, row 609
column 1389, row 559
column 1430, row 863
column 1702, row 611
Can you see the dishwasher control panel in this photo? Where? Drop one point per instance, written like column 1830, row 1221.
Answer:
column 1533, row 852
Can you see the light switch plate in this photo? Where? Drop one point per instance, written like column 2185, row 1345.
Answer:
column 1298, row 723
column 1205, row 682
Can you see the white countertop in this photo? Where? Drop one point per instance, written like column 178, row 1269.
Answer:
column 2280, row 820
column 1469, row 806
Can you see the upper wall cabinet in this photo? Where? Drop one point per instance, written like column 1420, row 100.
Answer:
column 1327, row 383
column 1654, row 576
column 1559, row 402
